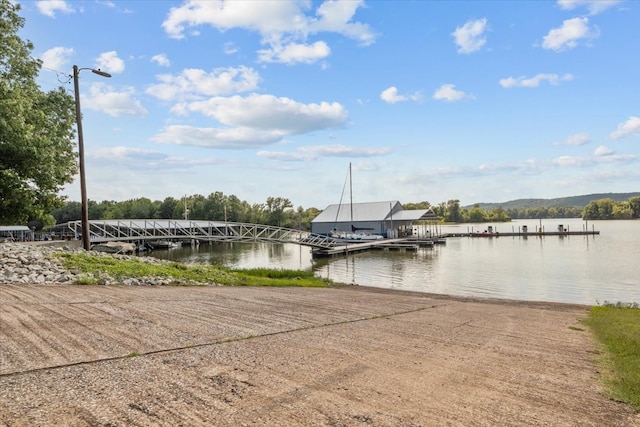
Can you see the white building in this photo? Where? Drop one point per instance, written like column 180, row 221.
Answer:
column 374, row 218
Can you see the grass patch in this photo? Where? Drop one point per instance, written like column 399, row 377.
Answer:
column 617, row 328
column 181, row 274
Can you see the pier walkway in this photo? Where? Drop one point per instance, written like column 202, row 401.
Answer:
column 141, row 230
column 144, row 230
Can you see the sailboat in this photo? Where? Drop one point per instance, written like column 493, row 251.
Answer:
column 357, row 234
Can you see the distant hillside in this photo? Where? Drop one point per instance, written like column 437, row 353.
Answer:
column 579, row 201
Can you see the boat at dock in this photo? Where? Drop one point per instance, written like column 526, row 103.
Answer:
column 163, row 244
column 356, row 235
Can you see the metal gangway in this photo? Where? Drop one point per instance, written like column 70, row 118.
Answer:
column 140, row 230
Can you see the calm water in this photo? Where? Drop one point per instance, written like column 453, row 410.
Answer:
column 575, row 269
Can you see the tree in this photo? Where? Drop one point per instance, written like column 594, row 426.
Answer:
column 275, row 208
column 453, row 213
column 167, row 208
column 634, row 204
column 36, row 130
column 69, row 212
column 476, row 214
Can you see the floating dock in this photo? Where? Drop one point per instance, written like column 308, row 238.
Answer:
column 414, row 243
column 403, row 244
column 525, row 234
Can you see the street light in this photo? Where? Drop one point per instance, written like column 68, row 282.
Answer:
column 86, row 244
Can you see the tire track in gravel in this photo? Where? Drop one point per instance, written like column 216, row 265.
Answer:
column 28, row 335
column 199, row 345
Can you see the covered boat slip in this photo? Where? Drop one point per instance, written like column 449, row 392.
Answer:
column 18, row 233
column 386, row 219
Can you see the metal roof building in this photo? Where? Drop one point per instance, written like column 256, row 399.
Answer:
column 14, row 232
column 374, row 217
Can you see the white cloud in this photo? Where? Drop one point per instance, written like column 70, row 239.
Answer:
column 447, row 92
column 470, row 37
column 106, row 3
column 630, row 127
column 56, row 58
column 251, row 121
column 255, row 120
column 220, row 138
column 567, row 161
column 281, row 24
column 593, row 6
column 102, row 98
column 318, row 151
column 161, row 59
column 576, row 140
column 294, row 53
column 568, row 35
column 603, row 151
column 602, row 155
column 193, row 83
column 127, row 153
column 532, row 166
column 137, row 159
column 338, row 150
column 335, row 16
column 534, row 81
column 268, row 112
column 390, row 95
column 230, row 48
column 109, row 62
column 50, row 7
column 283, row 156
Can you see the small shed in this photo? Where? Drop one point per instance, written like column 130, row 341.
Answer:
column 12, row 233
column 372, row 217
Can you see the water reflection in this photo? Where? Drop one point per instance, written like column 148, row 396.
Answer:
column 574, row 269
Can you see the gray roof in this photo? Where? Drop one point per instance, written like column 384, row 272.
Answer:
column 372, row 211
column 14, row 228
column 410, row 215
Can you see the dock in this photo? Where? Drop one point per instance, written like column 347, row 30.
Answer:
column 402, row 244
column 414, row 243
column 525, row 234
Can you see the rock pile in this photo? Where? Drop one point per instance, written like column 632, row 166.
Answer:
column 22, row 263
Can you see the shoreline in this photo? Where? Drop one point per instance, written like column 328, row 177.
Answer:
column 31, row 252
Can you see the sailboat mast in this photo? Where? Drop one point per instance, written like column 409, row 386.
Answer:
column 351, row 194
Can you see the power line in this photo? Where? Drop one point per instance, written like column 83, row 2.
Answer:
column 63, row 77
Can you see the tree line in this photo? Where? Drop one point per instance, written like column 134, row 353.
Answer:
column 610, row 209
column 216, row 206
column 452, row 212
column 280, row 211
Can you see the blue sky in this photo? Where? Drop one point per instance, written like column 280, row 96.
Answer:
column 479, row 101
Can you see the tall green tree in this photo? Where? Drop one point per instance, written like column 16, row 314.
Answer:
column 36, row 129
column 275, row 208
column 453, row 213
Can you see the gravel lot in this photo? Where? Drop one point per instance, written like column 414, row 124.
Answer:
column 350, row 356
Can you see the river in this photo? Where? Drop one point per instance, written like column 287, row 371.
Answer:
column 571, row 269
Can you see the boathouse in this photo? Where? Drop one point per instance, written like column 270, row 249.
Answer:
column 381, row 218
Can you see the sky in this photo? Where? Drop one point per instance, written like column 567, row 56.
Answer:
column 480, row 101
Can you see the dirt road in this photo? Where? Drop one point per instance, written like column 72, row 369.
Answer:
column 169, row 356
